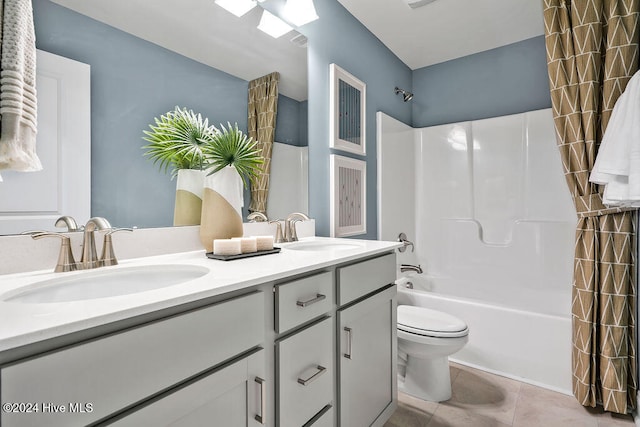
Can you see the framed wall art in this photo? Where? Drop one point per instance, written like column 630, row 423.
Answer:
column 348, row 196
column 347, row 116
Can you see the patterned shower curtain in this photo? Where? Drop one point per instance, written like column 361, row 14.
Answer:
column 263, row 106
column 592, row 52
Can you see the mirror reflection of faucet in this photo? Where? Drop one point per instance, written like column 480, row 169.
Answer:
column 69, row 222
column 257, row 217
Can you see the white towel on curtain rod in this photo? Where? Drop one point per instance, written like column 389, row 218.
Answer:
column 617, row 165
column 18, row 106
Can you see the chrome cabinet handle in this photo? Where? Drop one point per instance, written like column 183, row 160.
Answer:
column 318, row 297
column 320, row 370
column 349, row 337
column 263, row 401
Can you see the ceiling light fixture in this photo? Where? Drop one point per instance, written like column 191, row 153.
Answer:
column 299, row 12
column 273, row 25
column 237, row 7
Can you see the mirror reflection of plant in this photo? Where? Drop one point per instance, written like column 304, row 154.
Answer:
column 180, row 139
column 231, row 147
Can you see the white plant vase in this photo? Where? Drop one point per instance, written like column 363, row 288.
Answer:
column 221, row 207
column 189, row 189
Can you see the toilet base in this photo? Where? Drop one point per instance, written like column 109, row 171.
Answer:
column 427, row 379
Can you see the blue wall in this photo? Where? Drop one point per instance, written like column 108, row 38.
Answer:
column 133, row 81
column 337, row 37
column 506, row 80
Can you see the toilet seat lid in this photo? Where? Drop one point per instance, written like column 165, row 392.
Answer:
column 424, row 321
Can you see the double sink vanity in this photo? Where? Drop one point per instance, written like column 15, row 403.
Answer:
column 299, row 338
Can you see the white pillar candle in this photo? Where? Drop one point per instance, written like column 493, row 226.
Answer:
column 264, row 243
column 247, row 244
column 227, row 247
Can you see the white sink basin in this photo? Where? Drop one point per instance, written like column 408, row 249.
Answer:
column 105, row 283
column 322, row 246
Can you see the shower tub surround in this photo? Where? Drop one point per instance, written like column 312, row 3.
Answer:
column 493, row 223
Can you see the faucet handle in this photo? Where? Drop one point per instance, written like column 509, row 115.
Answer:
column 66, row 262
column 108, row 256
column 402, row 238
column 278, row 238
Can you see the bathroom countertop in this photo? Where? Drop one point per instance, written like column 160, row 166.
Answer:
column 26, row 323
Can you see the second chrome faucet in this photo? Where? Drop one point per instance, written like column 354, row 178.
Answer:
column 290, row 234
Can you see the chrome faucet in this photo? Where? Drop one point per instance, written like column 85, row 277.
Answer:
column 89, row 254
column 290, row 234
column 410, row 267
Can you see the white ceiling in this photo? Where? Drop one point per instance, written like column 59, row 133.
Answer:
column 201, row 30
column 447, row 29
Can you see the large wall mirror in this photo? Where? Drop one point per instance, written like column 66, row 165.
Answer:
column 148, row 57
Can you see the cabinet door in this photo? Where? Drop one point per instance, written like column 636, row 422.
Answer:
column 367, row 368
column 233, row 396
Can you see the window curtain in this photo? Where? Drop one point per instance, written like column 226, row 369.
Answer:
column 592, row 52
column 263, row 106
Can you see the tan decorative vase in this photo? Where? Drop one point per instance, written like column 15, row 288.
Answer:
column 189, row 188
column 221, row 207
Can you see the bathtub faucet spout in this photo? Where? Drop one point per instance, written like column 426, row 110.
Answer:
column 410, row 267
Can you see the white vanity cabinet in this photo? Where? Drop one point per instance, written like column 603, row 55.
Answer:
column 127, row 368
column 367, row 343
column 314, row 345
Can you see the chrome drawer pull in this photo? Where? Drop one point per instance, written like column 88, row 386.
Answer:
column 348, row 353
column 321, row 370
column 263, row 401
column 318, row 297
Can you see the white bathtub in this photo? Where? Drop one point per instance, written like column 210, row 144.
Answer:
column 506, row 339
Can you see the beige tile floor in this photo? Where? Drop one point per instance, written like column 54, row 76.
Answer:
column 480, row 399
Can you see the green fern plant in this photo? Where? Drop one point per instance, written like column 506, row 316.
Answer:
column 231, row 147
column 179, row 140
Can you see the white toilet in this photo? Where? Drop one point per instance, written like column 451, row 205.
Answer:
column 426, row 338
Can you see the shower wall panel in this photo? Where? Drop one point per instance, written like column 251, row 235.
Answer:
column 493, row 209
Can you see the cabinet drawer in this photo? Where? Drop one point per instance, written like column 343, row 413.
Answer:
column 305, row 374
column 302, row 300
column 119, row 370
column 365, row 277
